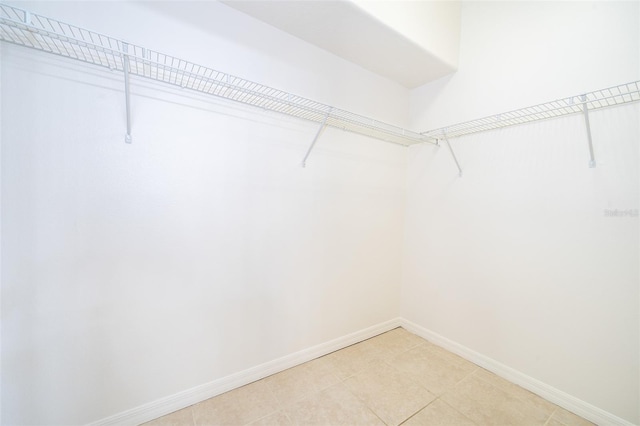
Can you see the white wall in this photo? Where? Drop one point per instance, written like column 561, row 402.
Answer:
column 432, row 25
column 516, row 54
column 132, row 272
column 516, row 260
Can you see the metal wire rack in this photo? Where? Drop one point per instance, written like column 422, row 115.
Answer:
column 617, row 95
column 612, row 96
column 23, row 28
column 38, row 32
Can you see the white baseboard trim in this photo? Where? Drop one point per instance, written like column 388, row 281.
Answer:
column 169, row 404
column 558, row 397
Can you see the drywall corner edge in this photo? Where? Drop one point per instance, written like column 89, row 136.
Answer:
column 558, row 397
column 180, row 400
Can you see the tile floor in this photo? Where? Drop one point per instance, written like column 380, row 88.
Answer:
column 394, row 378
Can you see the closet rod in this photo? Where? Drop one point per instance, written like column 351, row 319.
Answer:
column 49, row 35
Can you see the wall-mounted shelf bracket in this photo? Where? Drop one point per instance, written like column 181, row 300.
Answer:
column 577, row 104
column 444, row 136
column 127, row 96
column 585, row 109
column 315, row 139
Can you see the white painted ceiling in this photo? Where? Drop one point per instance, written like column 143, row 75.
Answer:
column 410, row 42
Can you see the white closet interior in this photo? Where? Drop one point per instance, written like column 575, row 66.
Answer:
column 140, row 278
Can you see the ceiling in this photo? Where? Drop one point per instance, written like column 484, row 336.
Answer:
column 410, row 42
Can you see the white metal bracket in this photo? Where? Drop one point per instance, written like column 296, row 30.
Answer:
column 585, row 109
column 125, row 66
column 315, row 139
column 453, row 154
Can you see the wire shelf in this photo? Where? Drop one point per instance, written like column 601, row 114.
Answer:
column 616, row 95
column 38, row 32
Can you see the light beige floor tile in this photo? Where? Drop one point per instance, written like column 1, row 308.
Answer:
column 333, row 406
column 324, row 372
column 432, row 368
column 389, row 378
column 237, row 407
column 450, row 357
column 567, row 418
column 302, row 381
column 486, row 404
column 542, row 404
column 395, row 342
column 354, row 359
column 391, row 394
column 275, row 419
column 438, row 413
column 177, row 418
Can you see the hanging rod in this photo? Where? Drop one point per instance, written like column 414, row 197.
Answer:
column 579, row 104
column 38, row 32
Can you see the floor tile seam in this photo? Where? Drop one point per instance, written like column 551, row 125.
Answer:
column 450, row 388
column 262, row 417
column 455, row 362
column 348, row 389
column 493, row 386
column 369, row 407
column 405, row 351
column 318, row 389
column 411, row 378
column 420, row 409
column 424, row 386
column 439, row 356
column 286, row 407
column 314, row 388
column 286, row 414
column 341, row 371
column 417, row 383
column 193, row 416
column 551, row 417
column 457, row 411
column 532, row 405
column 279, row 403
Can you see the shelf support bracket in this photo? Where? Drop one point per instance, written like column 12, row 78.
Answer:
column 453, row 154
column 315, row 139
column 585, row 109
column 127, row 95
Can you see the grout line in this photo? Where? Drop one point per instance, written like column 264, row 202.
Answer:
column 365, row 404
column 473, row 373
column 420, row 409
column 280, row 405
column 457, row 383
column 263, row 417
column 193, row 415
column 457, row 411
column 287, row 416
column 271, row 392
column 519, row 398
column 550, row 416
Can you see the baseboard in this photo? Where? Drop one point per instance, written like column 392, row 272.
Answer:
column 169, row 404
column 558, row 397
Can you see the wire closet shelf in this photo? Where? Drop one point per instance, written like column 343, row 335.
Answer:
column 23, row 28
column 38, row 32
column 612, row 96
